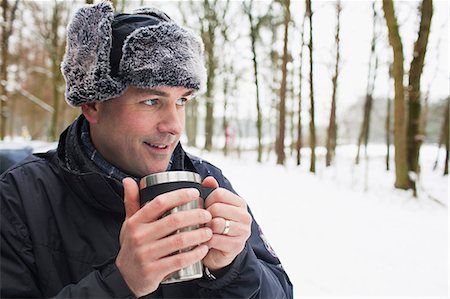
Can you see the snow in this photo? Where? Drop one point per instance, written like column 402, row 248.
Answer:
column 341, row 233
column 337, row 240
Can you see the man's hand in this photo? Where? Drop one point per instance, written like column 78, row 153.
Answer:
column 146, row 240
column 225, row 205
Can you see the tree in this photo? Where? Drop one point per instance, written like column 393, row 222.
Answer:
column 255, row 25
column 273, row 77
column 312, row 126
column 407, row 146
column 9, row 15
column 445, row 130
column 227, row 73
column 372, row 75
column 387, row 124
column 401, row 162
column 415, row 134
column 444, row 138
column 209, row 23
column 299, row 143
column 210, row 15
column 192, row 107
column 282, row 106
column 56, row 50
column 332, row 127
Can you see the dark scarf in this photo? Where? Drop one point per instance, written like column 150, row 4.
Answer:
column 91, row 153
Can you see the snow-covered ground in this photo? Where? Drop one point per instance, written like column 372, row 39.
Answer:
column 342, row 233
column 337, row 240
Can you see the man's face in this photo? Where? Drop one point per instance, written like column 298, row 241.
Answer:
column 139, row 130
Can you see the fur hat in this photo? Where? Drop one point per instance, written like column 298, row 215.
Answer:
column 107, row 53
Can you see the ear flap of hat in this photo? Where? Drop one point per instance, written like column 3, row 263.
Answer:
column 86, row 66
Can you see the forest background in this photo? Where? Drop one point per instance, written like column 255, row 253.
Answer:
column 347, row 102
column 282, row 76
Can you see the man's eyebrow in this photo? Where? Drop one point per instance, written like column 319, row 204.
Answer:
column 160, row 93
column 152, row 91
column 190, row 92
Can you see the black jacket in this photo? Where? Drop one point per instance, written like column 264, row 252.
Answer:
column 60, row 224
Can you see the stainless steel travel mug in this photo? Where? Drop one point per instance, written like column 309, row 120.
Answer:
column 162, row 182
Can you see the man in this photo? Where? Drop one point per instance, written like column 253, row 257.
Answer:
column 71, row 223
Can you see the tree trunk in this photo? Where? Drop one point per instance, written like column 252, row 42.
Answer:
column 253, row 35
column 191, row 122
column 312, row 126
column 209, row 41
column 225, row 120
column 4, row 72
column 415, row 136
column 445, row 135
column 13, row 125
column 388, row 133
column 122, row 5
column 282, row 106
column 401, row 161
column 332, row 129
column 387, row 125
column 55, row 66
column 292, row 105
column 115, row 4
column 7, row 28
column 371, row 78
column 299, row 143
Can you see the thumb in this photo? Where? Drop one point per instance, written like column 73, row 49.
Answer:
column 210, row 182
column 131, row 197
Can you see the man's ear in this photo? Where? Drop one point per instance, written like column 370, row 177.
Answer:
column 90, row 111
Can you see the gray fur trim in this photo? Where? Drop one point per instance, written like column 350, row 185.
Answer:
column 85, row 66
column 165, row 54
column 152, row 11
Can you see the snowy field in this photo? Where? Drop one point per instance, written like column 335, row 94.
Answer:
column 346, row 232
column 337, row 240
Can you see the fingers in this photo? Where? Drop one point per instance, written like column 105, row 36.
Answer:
column 229, row 212
column 155, row 208
column 217, row 225
column 177, row 242
column 167, row 225
column 179, row 261
column 131, row 197
column 221, row 195
column 210, row 182
column 226, row 244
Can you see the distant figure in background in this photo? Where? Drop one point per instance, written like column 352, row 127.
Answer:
column 230, row 135
column 71, row 221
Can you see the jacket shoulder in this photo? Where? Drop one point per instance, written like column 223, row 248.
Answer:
column 31, row 164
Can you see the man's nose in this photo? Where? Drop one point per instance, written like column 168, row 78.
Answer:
column 171, row 121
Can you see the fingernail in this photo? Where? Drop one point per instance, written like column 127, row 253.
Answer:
column 208, row 215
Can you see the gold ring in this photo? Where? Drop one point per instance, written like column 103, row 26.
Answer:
column 226, row 230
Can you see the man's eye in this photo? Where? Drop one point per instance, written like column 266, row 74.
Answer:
column 151, row 102
column 182, row 101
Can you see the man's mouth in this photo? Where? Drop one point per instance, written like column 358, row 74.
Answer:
column 158, row 146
